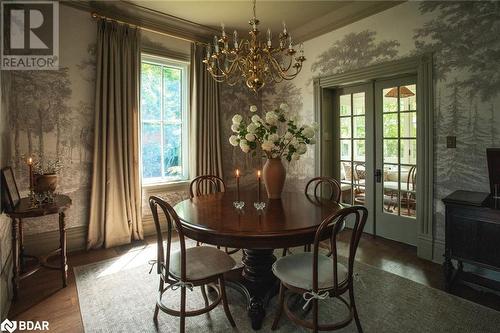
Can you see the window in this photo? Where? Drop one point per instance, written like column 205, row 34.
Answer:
column 164, row 120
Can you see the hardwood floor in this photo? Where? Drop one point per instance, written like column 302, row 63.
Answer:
column 42, row 298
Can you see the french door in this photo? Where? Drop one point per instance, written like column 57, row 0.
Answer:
column 376, row 164
column 396, row 159
column 355, row 164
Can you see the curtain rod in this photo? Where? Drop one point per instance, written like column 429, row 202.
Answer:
column 99, row 16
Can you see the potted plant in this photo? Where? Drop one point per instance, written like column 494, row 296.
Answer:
column 279, row 136
column 45, row 175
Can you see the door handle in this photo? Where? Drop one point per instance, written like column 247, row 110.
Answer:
column 378, row 175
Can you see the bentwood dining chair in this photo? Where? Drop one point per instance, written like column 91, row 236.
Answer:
column 321, row 187
column 187, row 268
column 317, row 276
column 204, row 185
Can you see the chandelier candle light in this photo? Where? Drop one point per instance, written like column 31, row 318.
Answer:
column 256, row 61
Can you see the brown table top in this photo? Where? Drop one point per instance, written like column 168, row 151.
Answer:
column 289, row 221
column 24, row 209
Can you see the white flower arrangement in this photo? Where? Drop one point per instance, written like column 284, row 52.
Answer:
column 277, row 134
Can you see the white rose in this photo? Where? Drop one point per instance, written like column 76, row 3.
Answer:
column 308, row 132
column 252, row 128
column 237, row 119
column 233, row 140
column 273, row 137
column 312, row 141
column 288, row 136
column 315, row 125
column 235, row 127
column 295, row 156
column 301, row 149
column 284, row 107
column 271, row 118
column 253, row 108
column 294, row 142
column 256, row 119
column 250, row 137
column 244, row 146
column 267, row 145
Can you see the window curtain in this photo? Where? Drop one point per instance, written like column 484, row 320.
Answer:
column 115, row 213
column 206, row 110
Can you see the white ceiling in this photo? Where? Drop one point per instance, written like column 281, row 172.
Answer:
column 304, row 18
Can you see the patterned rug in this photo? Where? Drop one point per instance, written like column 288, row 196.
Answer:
column 118, row 295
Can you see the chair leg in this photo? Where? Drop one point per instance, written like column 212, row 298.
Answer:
column 224, row 301
column 281, row 303
column 315, row 315
column 284, row 252
column 355, row 311
column 204, row 293
column 157, row 307
column 183, row 310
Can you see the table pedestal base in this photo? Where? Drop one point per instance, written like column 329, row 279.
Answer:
column 256, row 282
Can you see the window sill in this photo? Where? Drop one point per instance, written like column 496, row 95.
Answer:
column 166, row 186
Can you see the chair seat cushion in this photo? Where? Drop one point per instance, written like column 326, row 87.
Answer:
column 201, row 262
column 297, row 270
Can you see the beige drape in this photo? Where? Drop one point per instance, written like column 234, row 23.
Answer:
column 205, row 106
column 115, row 216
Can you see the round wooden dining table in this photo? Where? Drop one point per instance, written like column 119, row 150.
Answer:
column 284, row 223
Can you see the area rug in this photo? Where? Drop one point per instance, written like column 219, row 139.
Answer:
column 118, row 295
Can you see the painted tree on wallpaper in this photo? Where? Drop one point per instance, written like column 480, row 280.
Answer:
column 467, row 58
column 467, row 70
column 355, row 50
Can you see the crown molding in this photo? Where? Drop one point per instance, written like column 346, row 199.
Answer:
column 347, row 14
column 145, row 17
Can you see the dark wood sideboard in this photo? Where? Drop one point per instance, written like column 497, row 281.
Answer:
column 472, row 235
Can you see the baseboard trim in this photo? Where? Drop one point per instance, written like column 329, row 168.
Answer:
column 44, row 242
column 439, row 248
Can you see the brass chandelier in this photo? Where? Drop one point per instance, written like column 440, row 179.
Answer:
column 255, row 61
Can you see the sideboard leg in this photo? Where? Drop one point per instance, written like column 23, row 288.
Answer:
column 21, row 246
column 448, row 272
column 62, row 239
column 15, row 259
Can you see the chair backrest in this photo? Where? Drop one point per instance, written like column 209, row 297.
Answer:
column 172, row 220
column 330, row 228
column 206, row 184
column 412, row 179
column 322, row 182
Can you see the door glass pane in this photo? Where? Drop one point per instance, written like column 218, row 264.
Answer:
column 358, row 103
column 345, row 149
column 359, row 127
column 408, row 204
column 408, row 125
column 345, row 105
column 409, row 151
column 391, row 188
column 407, row 98
column 390, row 125
column 345, row 127
column 390, row 150
column 390, row 99
column 359, row 150
column 347, row 192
